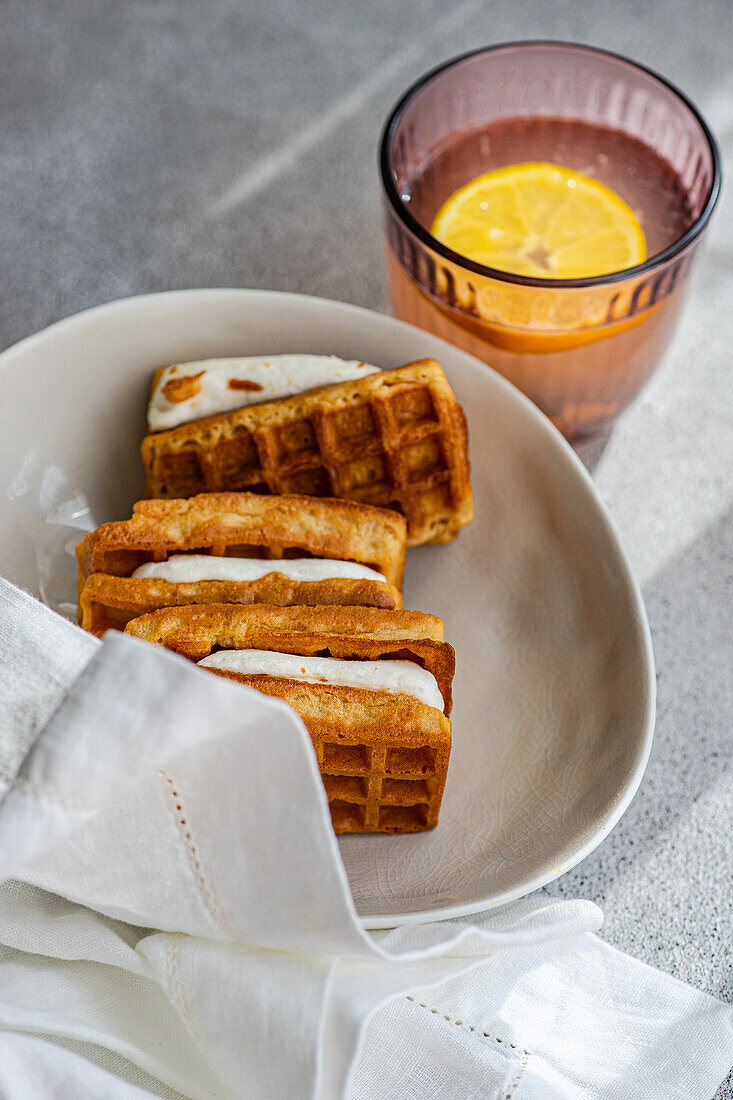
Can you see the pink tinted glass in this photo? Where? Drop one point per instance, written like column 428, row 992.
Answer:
column 580, row 348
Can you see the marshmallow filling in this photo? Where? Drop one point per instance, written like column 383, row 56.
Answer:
column 183, row 568
column 189, row 391
column 398, row 677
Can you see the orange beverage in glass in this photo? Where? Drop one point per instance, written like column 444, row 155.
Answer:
column 580, row 348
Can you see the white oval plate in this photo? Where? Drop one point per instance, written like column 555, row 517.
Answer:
column 554, row 690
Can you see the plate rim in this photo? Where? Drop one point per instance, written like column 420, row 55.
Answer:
column 553, row 439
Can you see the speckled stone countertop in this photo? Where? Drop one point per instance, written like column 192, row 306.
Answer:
column 149, row 146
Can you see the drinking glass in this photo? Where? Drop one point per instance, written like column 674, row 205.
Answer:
column 581, row 349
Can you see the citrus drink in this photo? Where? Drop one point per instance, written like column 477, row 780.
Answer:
column 627, row 204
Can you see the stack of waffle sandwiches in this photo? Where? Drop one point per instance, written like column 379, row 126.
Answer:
column 282, row 494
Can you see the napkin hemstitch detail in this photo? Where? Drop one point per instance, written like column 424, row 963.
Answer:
column 183, row 823
column 520, row 1051
column 521, row 1054
column 178, row 998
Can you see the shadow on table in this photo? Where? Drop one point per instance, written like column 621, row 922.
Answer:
column 689, row 604
column 590, row 450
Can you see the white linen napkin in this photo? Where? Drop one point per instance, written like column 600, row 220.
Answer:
column 175, row 918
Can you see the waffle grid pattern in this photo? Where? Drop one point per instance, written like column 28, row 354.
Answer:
column 402, row 447
column 378, row 788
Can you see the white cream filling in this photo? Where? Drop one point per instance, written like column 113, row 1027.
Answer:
column 182, row 568
column 398, row 677
column 277, row 375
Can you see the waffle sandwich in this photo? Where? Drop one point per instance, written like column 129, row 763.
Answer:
column 239, row 548
column 394, row 438
column 372, row 686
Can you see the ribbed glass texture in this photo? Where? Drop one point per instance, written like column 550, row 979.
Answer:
column 581, row 349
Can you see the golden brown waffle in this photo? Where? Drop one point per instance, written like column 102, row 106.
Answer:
column 383, row 756
column 247, row 525
column 352, row 633
column 244, row 525
column 396, row 438
column 109, row 603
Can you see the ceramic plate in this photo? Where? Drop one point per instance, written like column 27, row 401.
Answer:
column 554, row 689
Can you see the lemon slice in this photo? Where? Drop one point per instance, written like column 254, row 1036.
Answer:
column 542, row 220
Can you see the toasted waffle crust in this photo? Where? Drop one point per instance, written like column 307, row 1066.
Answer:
column 383, row 758
column 109, row 602
column 247, row 525
column 396, row 439
column 351, row 633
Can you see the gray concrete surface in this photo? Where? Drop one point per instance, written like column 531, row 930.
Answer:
column 156, row 144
